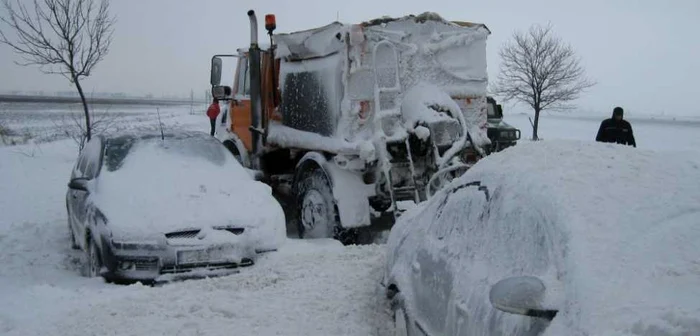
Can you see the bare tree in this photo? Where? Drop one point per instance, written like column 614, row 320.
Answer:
column 65, row 37
column 99, row 123
column 540, row 70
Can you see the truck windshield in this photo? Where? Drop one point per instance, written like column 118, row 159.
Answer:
column 243, row 77
column 491, row 111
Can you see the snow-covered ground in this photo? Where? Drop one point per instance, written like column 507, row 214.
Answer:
column 306, row 288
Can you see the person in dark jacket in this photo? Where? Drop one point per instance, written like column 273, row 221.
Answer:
column 616, row 130
column 213, row 112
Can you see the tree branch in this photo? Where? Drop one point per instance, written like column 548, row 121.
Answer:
column 65, row 37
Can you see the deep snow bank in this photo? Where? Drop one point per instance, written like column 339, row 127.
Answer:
column 307, row 288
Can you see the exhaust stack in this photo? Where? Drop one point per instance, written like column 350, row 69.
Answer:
column 256, row 129
column 253, row 27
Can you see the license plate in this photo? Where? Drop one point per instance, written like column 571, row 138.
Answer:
column 204, row 256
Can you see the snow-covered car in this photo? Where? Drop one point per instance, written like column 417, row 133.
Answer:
column 553, row 238
column 152, row 207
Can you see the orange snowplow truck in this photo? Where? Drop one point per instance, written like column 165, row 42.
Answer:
column 351, row 123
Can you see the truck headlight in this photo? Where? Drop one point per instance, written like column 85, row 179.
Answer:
column 506, row 135
column 509, row 134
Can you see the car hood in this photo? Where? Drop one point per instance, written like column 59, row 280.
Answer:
column 150, row 199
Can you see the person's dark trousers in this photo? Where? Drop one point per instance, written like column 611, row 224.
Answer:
column 213, row 126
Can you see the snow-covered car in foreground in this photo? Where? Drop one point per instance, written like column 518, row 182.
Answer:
column 561, row 238
column 156, row 207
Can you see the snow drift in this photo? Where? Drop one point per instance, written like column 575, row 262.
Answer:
column 620, row 227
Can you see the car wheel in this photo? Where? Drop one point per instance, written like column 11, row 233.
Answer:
column 93, row 262
column 73, row 243
column 402, row 320
column 400, row 323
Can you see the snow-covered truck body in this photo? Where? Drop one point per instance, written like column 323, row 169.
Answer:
column 353, row 118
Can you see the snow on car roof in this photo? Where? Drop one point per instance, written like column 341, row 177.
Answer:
column 625, row 228
column 151, row 134
column 162, row 186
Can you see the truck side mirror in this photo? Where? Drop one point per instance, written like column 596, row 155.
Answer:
column 215, row 77
column 499, row 110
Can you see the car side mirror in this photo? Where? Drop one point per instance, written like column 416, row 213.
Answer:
column 78, row 184
column 521, row 295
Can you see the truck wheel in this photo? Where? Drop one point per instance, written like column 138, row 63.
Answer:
column 231, row 146
column 316, row 212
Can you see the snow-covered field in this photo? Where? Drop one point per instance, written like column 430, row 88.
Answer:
column 650, row 132
column 43, row 122
column 306, row 288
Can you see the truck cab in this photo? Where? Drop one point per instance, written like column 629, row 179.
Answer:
column 346, row 121
column 501, row 134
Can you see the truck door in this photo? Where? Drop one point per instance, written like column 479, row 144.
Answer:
column 240, row 109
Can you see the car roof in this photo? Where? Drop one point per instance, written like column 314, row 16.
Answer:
column 153, row 134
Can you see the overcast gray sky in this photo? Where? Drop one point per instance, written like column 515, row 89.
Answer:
column 644, row 54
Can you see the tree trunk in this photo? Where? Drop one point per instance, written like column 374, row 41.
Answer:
column 88, row 126
column 535, row 125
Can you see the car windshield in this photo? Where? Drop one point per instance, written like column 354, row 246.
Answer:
column 118, row 149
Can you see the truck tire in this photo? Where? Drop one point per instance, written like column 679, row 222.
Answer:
column 231, row 146
column 317, row 216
